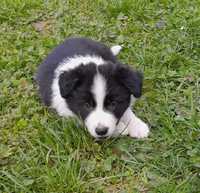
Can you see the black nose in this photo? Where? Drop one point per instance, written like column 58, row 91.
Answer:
column 101, row 130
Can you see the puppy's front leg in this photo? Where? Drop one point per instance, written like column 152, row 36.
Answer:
column 135, row 126
column 121, row 129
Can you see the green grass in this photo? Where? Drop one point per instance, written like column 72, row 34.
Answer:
column 43, row 153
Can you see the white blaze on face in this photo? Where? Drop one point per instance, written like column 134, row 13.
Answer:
column 99, row 117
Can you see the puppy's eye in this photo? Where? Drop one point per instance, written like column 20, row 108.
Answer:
column 111, row 105
column 88, row 106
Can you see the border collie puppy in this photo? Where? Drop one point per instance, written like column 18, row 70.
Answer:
column 83, row 78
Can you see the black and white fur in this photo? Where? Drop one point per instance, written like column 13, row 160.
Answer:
column 83, row 78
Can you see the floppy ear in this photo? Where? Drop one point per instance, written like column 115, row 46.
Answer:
column 67, row 82
column 131, row 79
column 70, row 80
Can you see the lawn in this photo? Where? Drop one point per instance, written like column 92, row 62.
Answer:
column 43, row 153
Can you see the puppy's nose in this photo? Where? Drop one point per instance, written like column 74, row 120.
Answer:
column 101, row 130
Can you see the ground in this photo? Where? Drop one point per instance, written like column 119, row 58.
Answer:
column 42, row 153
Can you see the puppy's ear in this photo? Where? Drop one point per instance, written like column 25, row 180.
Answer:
column 72, row 79
column 132, row 80
column 67, row 83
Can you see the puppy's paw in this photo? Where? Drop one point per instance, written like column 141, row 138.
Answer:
column 139, row 130
column 122, row 128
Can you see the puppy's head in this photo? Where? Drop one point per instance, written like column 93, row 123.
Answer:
column 100, row 94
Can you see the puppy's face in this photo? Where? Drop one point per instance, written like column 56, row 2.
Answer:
column 100, row 94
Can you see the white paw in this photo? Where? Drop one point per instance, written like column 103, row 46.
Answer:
column 115, row 49
column 139, row 130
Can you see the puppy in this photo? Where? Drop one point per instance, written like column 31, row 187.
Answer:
column 83, row 78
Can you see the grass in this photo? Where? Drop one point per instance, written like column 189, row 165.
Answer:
column 41, row 152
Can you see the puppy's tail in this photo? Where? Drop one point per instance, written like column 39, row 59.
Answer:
column 116, row 49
